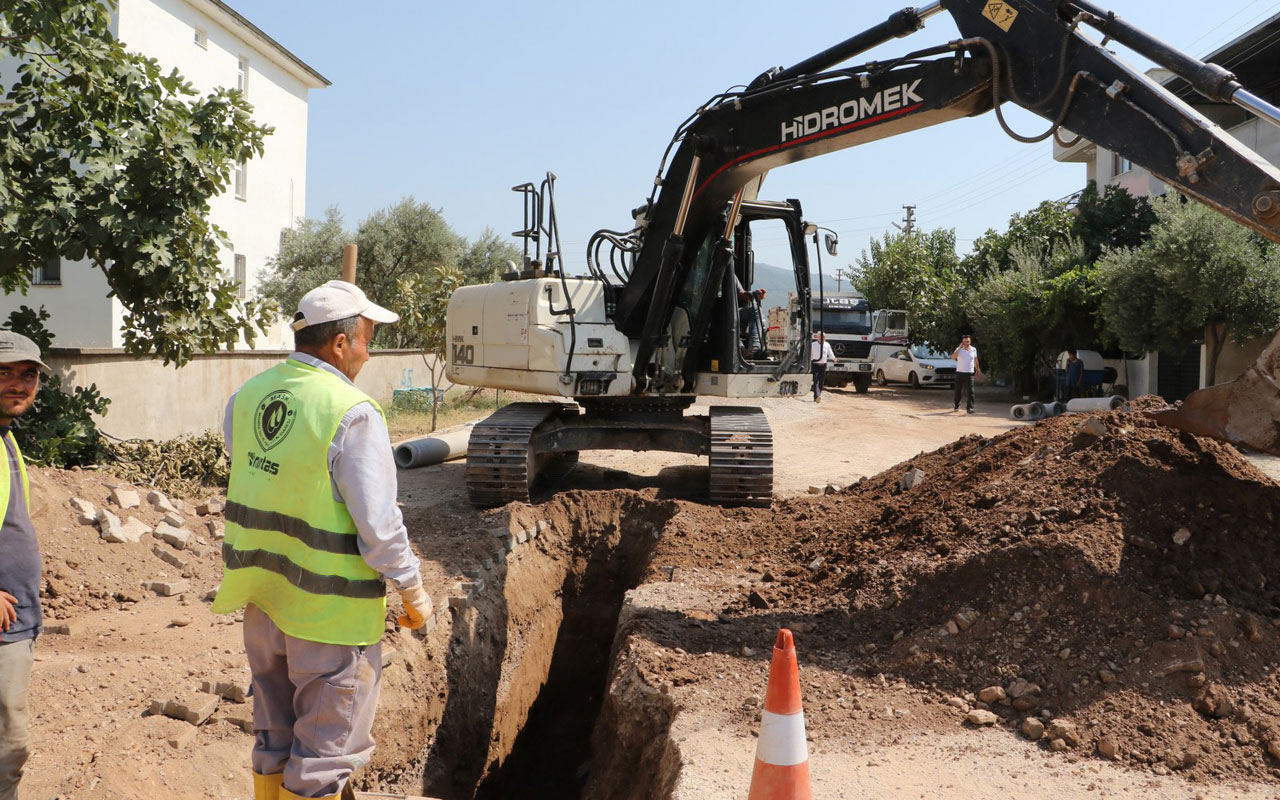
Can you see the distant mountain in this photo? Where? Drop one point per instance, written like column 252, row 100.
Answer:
column 778, row 282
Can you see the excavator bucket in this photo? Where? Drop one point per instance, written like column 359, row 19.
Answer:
column 1245, row 411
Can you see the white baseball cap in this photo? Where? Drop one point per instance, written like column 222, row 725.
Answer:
column 337, row 300
column 15, row 347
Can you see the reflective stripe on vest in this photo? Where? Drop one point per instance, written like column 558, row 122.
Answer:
column 292, row 549
column 6, row 477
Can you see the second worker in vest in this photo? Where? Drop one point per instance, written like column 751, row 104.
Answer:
column 312, row 532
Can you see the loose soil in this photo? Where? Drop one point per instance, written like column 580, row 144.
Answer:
column 1120, row 583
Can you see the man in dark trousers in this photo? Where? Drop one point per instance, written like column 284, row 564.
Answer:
column 20, row 619
column 966, row 358
column 1075, row 376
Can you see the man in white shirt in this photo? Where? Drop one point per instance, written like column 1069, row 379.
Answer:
column 966, row 358
column 821, row 354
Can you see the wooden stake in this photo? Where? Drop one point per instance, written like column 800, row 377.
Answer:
column 349, row 263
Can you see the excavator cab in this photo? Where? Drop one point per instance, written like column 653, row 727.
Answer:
column 776, row 230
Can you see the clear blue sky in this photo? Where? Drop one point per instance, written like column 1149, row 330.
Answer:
column 454, row 103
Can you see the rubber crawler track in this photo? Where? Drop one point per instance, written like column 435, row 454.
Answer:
column 498, row 454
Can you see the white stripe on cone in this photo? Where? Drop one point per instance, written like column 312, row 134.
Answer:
column 782, row 740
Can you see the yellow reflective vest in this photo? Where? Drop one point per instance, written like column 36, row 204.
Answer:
column 291, row 549
column 6, row 479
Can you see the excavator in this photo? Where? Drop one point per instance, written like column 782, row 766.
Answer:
column 659, row 318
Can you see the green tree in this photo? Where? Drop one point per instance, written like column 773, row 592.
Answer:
column 917, row 272
column 310, row 254
column 1199, row 278
column 423, row 306
column 1037, row 231
column 105, row 157
column 486, row 258
column 405, row 251
column 1022, row 315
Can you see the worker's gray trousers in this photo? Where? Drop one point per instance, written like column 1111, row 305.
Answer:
column 15, row 678
column 313, row 706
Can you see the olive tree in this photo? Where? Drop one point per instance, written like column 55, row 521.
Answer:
column 1200, row 277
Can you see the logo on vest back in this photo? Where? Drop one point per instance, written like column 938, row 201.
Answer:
column 274, row 418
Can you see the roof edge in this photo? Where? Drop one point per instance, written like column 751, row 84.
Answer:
column 300, row 68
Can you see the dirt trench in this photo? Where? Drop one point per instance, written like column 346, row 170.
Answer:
column 527, row 663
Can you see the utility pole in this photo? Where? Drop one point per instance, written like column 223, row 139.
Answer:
column 908, row 225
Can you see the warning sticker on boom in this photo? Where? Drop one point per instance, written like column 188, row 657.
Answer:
column 1001, row 14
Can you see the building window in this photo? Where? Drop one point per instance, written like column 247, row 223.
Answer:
column 1120, row 164
column 241, row 276
column 241, row 181
column 201, row 38
column 49, row 273
column 242, row 75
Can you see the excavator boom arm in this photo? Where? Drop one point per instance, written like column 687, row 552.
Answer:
column 1029, row 52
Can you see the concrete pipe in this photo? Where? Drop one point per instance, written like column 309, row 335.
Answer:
column 432, row 449
column 1035, row 410
column 1095, row 403
column 1054, row 408
column 1019, row 412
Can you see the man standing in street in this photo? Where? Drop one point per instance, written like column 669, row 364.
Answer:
column 1074, row 376
column 312, row 532
column 966, row 358
column 821, row 354
column 20, row 618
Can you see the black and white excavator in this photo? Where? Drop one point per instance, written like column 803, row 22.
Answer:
column 659, row 318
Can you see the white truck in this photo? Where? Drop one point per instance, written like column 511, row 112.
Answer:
column 857, row 334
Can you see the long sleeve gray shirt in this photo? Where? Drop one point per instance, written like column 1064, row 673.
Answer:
column 362, row 472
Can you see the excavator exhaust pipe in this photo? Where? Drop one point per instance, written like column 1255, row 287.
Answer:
column 1244, row 412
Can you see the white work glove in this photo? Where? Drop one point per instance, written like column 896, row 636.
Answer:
column 417, row 606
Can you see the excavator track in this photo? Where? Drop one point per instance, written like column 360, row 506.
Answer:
column 501, row 464
column 741, row 457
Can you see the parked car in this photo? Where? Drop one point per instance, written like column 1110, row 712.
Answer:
column 916, row 366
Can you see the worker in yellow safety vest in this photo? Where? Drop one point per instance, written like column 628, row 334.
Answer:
column 20, row 571
column 312, row 532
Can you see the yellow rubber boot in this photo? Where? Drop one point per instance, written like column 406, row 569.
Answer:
column 267, row 787
column 285, row 794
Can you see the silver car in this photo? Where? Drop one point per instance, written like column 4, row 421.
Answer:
column 917, row 367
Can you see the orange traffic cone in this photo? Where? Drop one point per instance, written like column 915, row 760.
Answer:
column 782, row 756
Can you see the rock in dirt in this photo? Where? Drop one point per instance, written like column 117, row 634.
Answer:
column 1181, row 536
column 134, row 529
column 992, row 694
column 1065, row 730
column 981, row 717
column 169, row 557
column 1108, row 747
column 177, row 537
column 109, row 527
column 1032, row 728
column 1020, row 688
column 1093, row 427
column 160, row 502
column 757, row 601
column 912, row 479
column 125, row 498
column 169, row 588
column 193, row 707
column 210, row 507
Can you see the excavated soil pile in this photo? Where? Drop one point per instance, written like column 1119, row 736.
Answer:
column 1117, row 584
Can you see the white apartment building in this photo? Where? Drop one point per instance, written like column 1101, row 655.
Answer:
column 1253, row 57
column 211, row 45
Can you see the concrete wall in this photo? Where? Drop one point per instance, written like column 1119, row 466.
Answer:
column 1233, row 360
column 152, row 401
